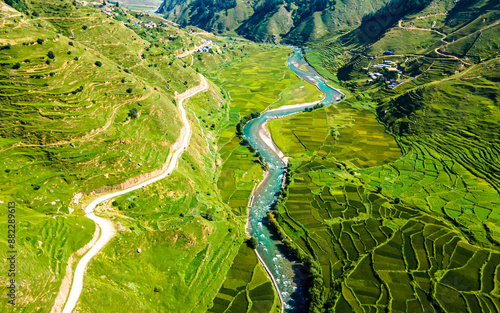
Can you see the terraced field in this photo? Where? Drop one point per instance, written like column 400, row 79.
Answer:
column 379, row 251
column 246, row 288
column 408, row 41
column 338, row 132
column 186, row 233
column 416, row 230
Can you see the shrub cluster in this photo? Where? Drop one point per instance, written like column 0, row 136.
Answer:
column 317, row 106
column 77, row 90
column 243, row 121
column 133, row 113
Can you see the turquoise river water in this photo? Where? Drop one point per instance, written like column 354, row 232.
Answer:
column 288, row 274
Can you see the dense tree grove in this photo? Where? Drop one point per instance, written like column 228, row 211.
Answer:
column 17, row 4
column 315, row 282
column 305, row 8
column 308, row 7
column 214, row 5
column 243, row 121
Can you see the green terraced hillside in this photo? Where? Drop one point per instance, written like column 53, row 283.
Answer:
column 88, row 102
column 394, row 194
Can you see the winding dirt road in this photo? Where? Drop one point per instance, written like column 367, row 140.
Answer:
column 106, row 227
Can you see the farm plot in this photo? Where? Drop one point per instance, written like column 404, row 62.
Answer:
column 340, row 133
column 383, row 254
column 382, row 234
column 247, row 287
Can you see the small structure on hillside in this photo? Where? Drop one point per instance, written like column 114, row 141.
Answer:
column 380, row 65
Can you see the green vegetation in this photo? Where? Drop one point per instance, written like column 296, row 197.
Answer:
column 391, row 196
column 270, row 21
column 133, row 113
column 400, row 215
column 246, row 288
column 68, row 132
column 253, row 243
column 266, row 83
column 336, row 133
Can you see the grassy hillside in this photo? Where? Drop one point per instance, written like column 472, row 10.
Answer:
column 187, row 238
column 87, row 103
column 392, row 195
column 65, row 127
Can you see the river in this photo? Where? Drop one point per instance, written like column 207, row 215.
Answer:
column 288, row 274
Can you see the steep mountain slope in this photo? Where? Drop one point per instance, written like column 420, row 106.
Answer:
column 271, row 20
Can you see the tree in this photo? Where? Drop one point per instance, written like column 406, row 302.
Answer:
column 208, row 216
column 253, row 242
column 129, row 90
column 84, row 27
column 16, row 66
column 39, row 41
column 98, row 63
column 133, row 113
column 51, row 55
column 245, row 142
